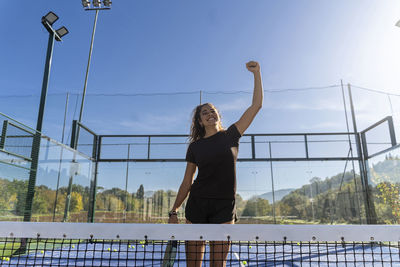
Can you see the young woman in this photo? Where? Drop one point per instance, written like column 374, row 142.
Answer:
column 213, row 151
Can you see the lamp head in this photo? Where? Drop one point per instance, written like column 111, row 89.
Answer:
column 107, row 3
column 50, row 18
column 97, row 3
column 61, row 32
column 86, row 3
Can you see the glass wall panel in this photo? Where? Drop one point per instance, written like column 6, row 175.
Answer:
column 293, row 193
column 15, row 164
column 137, row 192
column 384, row 179
column 58, row 164
column 62, row 174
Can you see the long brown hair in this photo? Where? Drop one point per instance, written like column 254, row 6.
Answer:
column 198, row 131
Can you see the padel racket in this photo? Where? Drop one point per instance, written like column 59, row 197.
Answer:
column 170, row 253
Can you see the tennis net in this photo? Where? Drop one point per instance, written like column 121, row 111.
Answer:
column 103, row 244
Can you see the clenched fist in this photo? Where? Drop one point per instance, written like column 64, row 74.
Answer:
column 253, row 66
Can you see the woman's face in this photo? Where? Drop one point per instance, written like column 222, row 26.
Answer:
column 209, row 116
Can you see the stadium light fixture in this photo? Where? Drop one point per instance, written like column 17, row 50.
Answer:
column 86, row 3
column 50, row 18
column 96, row 3
column 48, row 22
column 62, row 31
column 107, row 3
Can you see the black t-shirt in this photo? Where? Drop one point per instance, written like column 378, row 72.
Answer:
column 215, row 157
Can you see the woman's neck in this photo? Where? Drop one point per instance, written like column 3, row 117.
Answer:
column 211, row 131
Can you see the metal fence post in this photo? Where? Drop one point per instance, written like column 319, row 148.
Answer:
column 368, row 200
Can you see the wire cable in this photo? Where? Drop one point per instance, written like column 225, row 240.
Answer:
column 210, row 92
column 183, row 92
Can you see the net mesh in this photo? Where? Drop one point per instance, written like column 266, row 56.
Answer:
column 68, row 244
column 67, row 252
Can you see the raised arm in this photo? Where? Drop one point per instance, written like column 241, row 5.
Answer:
column 244, row 122
column 183, row 189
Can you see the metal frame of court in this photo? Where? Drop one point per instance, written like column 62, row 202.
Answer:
column 357, row 139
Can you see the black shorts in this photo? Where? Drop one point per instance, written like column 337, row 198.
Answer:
column 210, row 210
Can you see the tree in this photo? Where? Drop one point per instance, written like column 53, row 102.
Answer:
column 76, row 203
column 240, row 205
column 43, row 202
column 294, row 204
column 140, row 197
column 12, row 196
column 140, row 192
column 257, row 207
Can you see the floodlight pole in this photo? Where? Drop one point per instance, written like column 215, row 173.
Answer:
column 90, row 58
column 46, row 76
column 74, row 144
column 88, row 65
column 37, row 137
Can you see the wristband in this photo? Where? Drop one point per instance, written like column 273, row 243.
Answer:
column 172, row 213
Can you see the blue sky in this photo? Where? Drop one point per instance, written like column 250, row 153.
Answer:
column 176, row 46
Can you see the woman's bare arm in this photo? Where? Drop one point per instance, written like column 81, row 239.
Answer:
column 183, row 189
column 244, row 122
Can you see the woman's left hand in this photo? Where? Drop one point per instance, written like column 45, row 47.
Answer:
column 253, row 66
column 173, row 219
